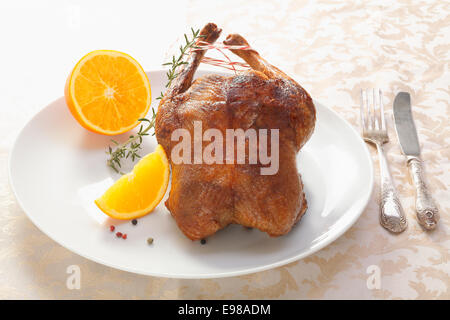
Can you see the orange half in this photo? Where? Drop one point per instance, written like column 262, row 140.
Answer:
column 107, row 92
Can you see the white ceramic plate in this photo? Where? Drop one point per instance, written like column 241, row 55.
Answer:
column 57, row 169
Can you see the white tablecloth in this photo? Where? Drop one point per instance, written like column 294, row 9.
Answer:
column 332, row 48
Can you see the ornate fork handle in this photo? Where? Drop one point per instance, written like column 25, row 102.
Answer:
column 392, row 216
column 427, row 212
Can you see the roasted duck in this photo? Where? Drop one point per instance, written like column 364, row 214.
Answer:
column 205, row 198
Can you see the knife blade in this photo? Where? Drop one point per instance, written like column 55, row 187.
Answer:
column 427, row 212
column 404, row 125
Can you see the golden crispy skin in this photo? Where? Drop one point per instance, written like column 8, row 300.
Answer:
column 205, row 198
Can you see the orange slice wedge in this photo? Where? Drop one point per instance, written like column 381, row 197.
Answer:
column 107, row 92
column 140, row 191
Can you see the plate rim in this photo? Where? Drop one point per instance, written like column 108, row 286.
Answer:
column 241, row 272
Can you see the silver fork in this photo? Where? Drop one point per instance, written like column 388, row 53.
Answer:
column 374, row 130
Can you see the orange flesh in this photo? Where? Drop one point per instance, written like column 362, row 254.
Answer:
column 108, row 92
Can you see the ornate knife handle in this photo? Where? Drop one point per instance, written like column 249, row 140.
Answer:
column 427, row 212
column 392, row 216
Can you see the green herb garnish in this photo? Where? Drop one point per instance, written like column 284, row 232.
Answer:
column 131, row 147
column 176, row 62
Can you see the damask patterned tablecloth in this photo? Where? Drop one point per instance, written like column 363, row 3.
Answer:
column 333, row 49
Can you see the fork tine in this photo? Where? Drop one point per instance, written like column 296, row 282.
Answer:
column 373, row 120
column 369, row 116
column 362, row 111
column 375, row 111
column 383, row 123
column 370, row 109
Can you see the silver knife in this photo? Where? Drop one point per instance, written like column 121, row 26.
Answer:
column 427, row 212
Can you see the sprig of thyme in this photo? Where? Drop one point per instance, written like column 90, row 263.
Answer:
column 176, row 62
column 131, row 147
